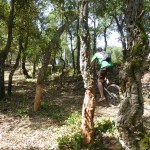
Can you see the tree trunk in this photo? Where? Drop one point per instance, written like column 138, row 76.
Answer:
column 62, row 76
column 123, row 39
column 4, row 53
column 2, row 87
column 105, row 34
column 88, row 109
column 72, row 51
column 78, row 48
column 105, row 38
column 25, row 71
column 14, row 69
column 129, row 122
column 45, row 62
column 95, row 36
column 34, row 69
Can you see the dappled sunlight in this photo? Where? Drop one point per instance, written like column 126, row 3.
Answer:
column 22, row 133
column 25, row 128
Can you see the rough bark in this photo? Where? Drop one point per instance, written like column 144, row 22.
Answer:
column 4, row 52
column 88, row 109
column 129, row 122
column 45, row 62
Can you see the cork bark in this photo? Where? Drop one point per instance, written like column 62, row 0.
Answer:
column 88, row 109
column 129, row 120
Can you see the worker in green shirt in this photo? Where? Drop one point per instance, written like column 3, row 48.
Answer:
column 104, row 60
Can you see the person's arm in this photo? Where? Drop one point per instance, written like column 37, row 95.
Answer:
column 92, row 60
column 92, row 63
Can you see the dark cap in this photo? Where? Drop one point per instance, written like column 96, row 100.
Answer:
column 99, row 49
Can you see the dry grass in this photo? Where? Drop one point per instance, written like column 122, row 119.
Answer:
column 22, row 129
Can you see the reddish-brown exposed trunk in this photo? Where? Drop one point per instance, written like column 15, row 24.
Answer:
column 42, row 71
column 88, row 109
column 45, row 62
column 39, row 89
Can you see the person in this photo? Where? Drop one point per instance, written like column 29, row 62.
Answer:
column 105, row 67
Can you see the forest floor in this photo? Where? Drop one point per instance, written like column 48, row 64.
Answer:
column 23, row 129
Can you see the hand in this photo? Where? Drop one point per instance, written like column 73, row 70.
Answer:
column 107, row 81
column 92, row 63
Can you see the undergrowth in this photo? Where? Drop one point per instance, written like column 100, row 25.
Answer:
column 70, row 137
column 145, row 142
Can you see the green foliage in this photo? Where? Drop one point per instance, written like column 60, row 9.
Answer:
column 71, row 138
column 73, row 142
column 55, row 111
column 20, row 105
column 146, row 16
column 22, row 110
column 17, row 105
column 147, row 67
column 4, row 10
column 97, row 140
column 74, row 118
column 105, row 124
column 116, row 54
column 145, row 142
column 64, row 8
column 65, row 49
column 4, row 14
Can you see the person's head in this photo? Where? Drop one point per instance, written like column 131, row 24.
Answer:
column 99, row 49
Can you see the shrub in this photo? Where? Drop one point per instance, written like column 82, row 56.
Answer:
column 105, row 124
column 145, row 143
column 71, row 138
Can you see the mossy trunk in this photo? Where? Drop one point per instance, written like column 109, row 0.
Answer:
column 129, row 122
column 88, row 109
